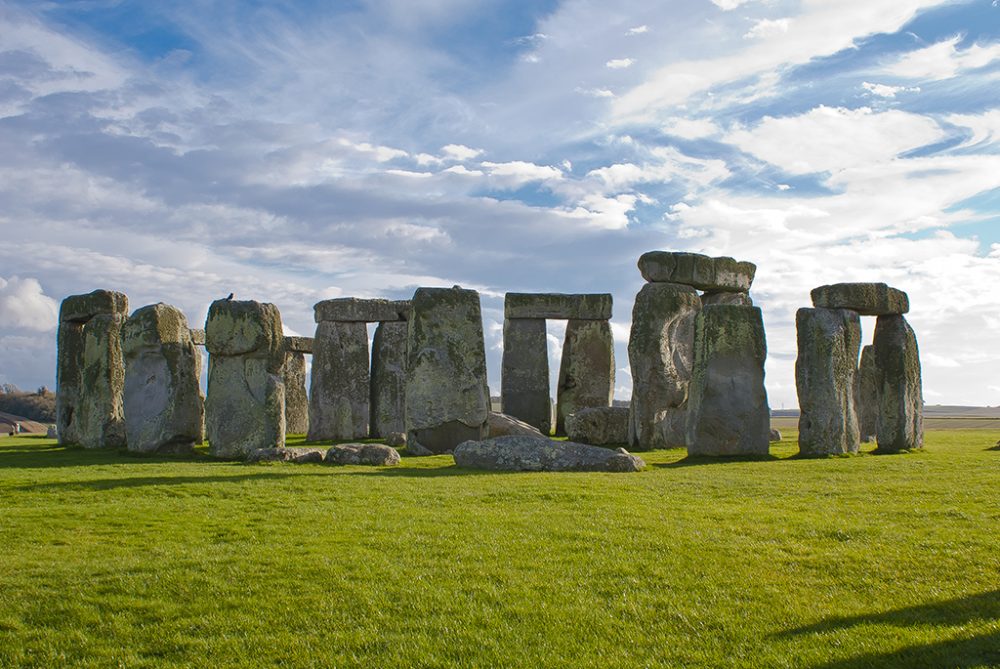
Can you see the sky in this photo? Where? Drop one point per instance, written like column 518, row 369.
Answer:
column 309, row 150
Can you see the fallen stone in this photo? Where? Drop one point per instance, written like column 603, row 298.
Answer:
column 378, row 455
column 693, row 269
column 356, row 310
column 524, row 381
column 296, row 399
column 282, row 454
column 299, row 344
column 587, row 369
column 51, row 432
column 901, row 402
column 868, row 299
column 388, row 379
column 727, row 403
column 829, row 341
column 867, row 400
column 561, row 306
column 734, row 298
column 502, row 425
column 538, row 454
column 599, row 426
column 339, row 390
column 775, row 436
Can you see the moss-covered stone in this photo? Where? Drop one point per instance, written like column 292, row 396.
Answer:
column 867, row 397
column 537, row 454
column 594, row 306
column 81, row 308
column 100, row 414
column 696, row 270
column 339, row 391
column 586, row 371
column 388, row 379
column 900, row 388
column 524, row 381
column 358, row 310
column 296, row 399
column 868, row 299
column 240, row 327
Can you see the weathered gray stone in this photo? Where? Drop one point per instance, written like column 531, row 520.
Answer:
column 868, row 299
column 694, row 269
column 536, row 454
column 738, row 299
column 502, row 425
column 357, row 310
column 299, row 344
column 727, row 403
column 775, row 436
column 245, row 407
column 338, row 397
column 867, row 398
column 447, row 398
column 164, row 409
column 296, row 455
column 395, row 439
column 388, row 382
column 524, row 384
column 296, row 400
column 825, row 377
column 378, row 455
column 661, row 356
column 587, row 369
column 69, row 363
column 81, row 308
column 599, row 426
column 901, row 401
column 198, row 336
column 591, row 307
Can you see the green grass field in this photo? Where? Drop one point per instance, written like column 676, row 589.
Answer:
column 871, row 561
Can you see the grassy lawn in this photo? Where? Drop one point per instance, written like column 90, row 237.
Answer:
column 869, row 561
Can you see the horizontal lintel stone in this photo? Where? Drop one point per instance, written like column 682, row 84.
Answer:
column 696, row 270
column 357, row 310
column 586, row 307
column 867, row 299
column 299, row 344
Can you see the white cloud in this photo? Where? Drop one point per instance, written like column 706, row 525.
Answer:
column 518, row 172
column 638, row 30
column 943, row 60
column 463, row 170
column 596, row 92
column 729, row 5
column 381, row 154
column 690, row 128
column 886, row 91
column 23, row 304
column 619, row 63
column 765, row 28
column 985, row 127
column 460, row 152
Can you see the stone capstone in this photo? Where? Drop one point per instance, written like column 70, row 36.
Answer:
column 378, row 455
column 524, row 381
column 296, row 399
column 447, row 397
column 867, row 399
column 388, row 379
column 164, row 409
column 502, row 425
column 537, row 454
column 599, row 426
column 594, row 306
column 661, row 357
column 728, row 412
column 829, row 341
column 357, row 310
column 299, row 344
column 81, row 308
column 901, row 402
column 586, row 371
column 339, row 391
column 868, row 299
column 701, row 272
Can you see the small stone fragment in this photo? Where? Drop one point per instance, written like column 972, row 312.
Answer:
column 378, row 455
column 775, row 436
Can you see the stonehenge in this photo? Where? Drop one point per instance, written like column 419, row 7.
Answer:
column 388, row 379
column 587, row 369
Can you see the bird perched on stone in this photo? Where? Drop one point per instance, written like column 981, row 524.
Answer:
column 229, row 299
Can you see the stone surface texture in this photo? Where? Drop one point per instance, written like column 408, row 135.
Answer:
column 775, row 436
column 867, row 399
column 357, row 310
column 900, row 389
column 198, row 336
column 502, row 425
column 587, row 369
column 447, row 397
column 388, row 379
column 339, row 389
column 299, row 344
column 702, row 272
column 727, row 403
column 734, row 298
column 245, row 407
column 378, row 455
column 81, row 308
column 868, row 299
column 829, row 341
column 560, row 306
column 164, row 408
column 599, row 426
column 537, row 454
column 297, row 455
column 296, row 399
column 524, row 381
column 661, row 357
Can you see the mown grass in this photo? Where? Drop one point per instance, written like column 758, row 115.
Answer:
column 869, row 561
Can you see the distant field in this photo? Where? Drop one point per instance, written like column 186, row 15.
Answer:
column 784, row 423
column 867, row 561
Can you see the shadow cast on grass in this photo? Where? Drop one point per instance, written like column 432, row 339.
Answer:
column 142, row 481
column 700, row 460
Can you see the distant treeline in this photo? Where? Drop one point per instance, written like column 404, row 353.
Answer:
column 38, row 406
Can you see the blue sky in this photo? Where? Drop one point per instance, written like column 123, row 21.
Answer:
column 180, row 151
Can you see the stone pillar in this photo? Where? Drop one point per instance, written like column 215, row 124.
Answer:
column 825, row 377
column 388, row 379
column 296, row 399
column 164, row 409
column 901, row 402
column 338, row 397
column 661, row 356
column 587, row 369
column 447, row 397
column 727, row 403
column 524, row 384
column 245, row 407
column 90, row 370
column 867, row 400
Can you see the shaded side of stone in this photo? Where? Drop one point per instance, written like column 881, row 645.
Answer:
column 562, row 306
column 388, row 383
column 739, row 299
column 867, row 400
column 535, row 454
column 699, row 271
column 599, row 426
column 825, row 377
column 901, row 402
column 357, row 310
column 586, row 371
column 502, row 425
column 728, row 412
column 524, row 383
column 339, row 392
column 868, row 299
column 296, row 399
column 100, row 413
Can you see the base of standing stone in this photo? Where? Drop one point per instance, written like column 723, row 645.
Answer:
column 443, row 438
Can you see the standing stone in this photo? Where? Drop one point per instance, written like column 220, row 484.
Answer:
column 90, row 371
column 901, row 401
column 586, row 371
column 388, row 382
column 867, row 399
column 296, row 399
column 447, row 398
column 164, row 409
column 338, row 397
column 825, row 376
column 727, row 403
column 524, row 384
column 245, row 407
column 661, row 355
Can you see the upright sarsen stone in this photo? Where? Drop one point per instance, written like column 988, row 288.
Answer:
column 338, row 398
column 867, row 399
column 825, row 377
column 661, row 357
column 388, row 379
column 587, row 369
column 296, row 399
column 727, row 403
column 447, row 398
column 524, row 384
column 901, row 401
column 164, row 409
column 245, row 407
